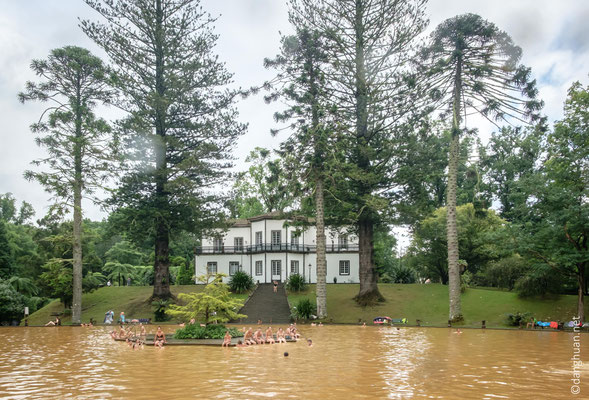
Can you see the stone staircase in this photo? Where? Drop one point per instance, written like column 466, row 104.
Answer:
column 265, row 305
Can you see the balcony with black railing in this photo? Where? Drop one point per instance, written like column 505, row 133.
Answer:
column 274, row 248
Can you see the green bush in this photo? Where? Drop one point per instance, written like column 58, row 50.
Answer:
column 296, row 283
column 241, row 282
column 539, row 281
column 518, row 318
column 195, row 331
column 402, row 274
column 159, row 310
column 304, row 309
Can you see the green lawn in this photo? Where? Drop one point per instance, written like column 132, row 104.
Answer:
column 429, row 303
column 133, row 300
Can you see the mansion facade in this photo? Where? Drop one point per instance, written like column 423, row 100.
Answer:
column 269, row 248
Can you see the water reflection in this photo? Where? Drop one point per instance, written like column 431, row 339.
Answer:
column 344, row 362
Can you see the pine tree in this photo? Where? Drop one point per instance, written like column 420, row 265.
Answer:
column 74, row 81
column 472, row 66
column 181, row 122
column 368, row 45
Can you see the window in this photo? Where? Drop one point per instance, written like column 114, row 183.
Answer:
column 259, row 268
column 276, row 268
column 218, row 244
column 233, row 267
column 342, row 242
column 276, row 238
column 294, row 267
column 258, row 238
column 344, row 267
column 211, row 268
column 294, row 240
column 238, row 243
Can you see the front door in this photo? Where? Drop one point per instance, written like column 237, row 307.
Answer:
column 276, row 270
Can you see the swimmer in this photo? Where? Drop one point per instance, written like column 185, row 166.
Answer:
column 320, row 324
column 458, row 331
column 286, row 354
column 309, row 342
column 364, row 325
column 239, row 344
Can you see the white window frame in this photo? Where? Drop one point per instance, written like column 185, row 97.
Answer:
column 343, row 266
column 294, row 266
column 342, row 242
column 238, row 243
column 259, row 238
column 211, row 267
column 259, row 268
column 218, row 244
column 276, row 237
column 294, row 239
column 233, row 267
column 276, row 264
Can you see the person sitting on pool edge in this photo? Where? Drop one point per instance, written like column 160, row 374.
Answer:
column 160, row 338
column 248, row 337
column 226, row 339
column 270, row 336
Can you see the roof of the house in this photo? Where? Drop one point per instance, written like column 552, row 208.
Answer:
column 242, row 222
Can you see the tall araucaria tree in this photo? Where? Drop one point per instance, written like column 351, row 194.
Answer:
column 470, row 66
column 368, row 44
column 77, row 143
column 301, row 82
column 181, row 123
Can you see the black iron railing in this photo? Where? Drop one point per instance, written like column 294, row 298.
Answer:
column 278, row 247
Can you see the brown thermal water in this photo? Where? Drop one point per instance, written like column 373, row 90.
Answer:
column 345, row 362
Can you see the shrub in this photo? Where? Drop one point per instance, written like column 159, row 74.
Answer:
column 195, row 331
column 539, row 281
column 241, row 282
column 505, row 272
column 159, row 310
column 402, row 274
column 304, row 309
column 296, row 283
column 518, row 318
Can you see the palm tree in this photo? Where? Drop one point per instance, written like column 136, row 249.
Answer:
column 117, row 270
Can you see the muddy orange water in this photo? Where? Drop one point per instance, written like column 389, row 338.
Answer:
column 345, row 362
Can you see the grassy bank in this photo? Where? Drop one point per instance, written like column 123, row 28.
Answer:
column 429, row 303
column 133, row 300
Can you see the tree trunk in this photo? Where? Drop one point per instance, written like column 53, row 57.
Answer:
column 161, row 285
column 369, row 293
column 452, row 231
column 77, row 231
column 581, row 295
column 321, row 259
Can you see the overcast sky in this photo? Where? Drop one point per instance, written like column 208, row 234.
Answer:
column 554, row 35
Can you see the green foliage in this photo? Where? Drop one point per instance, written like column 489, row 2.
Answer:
column 477, row 232
column 93, row 280
column 539, row 280
column 24, row 286
column 262, row 188
column 143, row 275
column 296, row 283
column 401, row 273
column 241, row 282
column 181, row 125
column 185, row 274
column 6, row 259
column 118, row 272
column 214, row 303
column 215, row 331
column 9, row 213
column 503, row 273
column 518, row 318
column 160, row 307
column 58, row 279
column 304, row 309
column 12, row 303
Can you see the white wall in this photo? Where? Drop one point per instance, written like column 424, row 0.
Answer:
column 248, row 261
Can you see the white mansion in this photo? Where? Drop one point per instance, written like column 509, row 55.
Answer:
column 270, row 248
